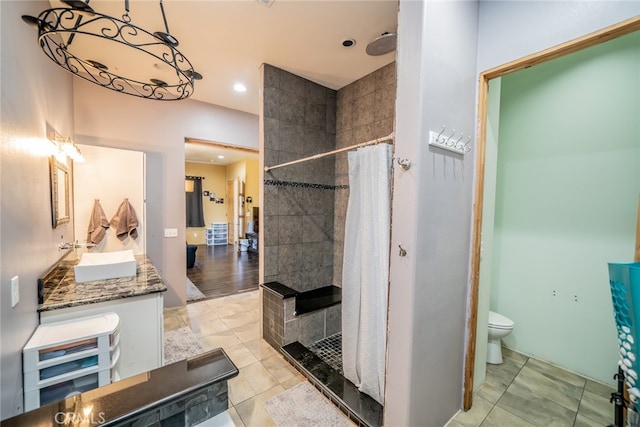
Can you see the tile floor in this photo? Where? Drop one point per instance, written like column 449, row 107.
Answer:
column 523, row 391
column 232, row 323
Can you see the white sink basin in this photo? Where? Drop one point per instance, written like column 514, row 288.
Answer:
column 105, row 265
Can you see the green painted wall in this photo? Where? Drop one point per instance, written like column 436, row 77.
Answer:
column 567, row 191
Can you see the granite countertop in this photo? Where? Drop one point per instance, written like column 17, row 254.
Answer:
column 124, row 400
column 58, row 288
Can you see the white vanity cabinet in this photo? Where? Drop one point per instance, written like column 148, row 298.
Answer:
column 66, row 358
column 141, row 329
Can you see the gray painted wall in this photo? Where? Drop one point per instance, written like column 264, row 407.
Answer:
column 509, row 30
column 431, row 213
column 436, row 86
column 34, row 92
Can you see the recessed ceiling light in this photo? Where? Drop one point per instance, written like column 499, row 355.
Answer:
column 348, row 42
column 239, row 87
column 220, row 156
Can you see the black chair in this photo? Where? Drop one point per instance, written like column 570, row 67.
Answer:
column 191, row 255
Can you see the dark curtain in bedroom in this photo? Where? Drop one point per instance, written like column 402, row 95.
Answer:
column 195, row 215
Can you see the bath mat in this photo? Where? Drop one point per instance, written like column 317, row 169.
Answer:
column 180, row 344
column 193, row 293
column 302, row 406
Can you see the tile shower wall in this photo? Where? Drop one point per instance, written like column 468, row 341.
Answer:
column 273, row 306
column 304, row 227
column 305, row 204
column 365, row 111
column 299, row 121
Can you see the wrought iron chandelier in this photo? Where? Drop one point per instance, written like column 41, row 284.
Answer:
column 82, row 41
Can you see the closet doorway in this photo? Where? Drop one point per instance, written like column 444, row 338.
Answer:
column 487, row 155
column 222, row 266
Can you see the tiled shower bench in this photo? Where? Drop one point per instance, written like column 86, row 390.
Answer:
column 306, row 317
column 294, row 320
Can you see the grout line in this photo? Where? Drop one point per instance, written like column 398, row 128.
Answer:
column 576, row 412
column 495, row 404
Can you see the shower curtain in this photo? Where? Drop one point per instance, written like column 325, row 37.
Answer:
column 365, row 269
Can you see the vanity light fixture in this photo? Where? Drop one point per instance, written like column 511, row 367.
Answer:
column 63, row 147
column 150, row 65
column 71, row 150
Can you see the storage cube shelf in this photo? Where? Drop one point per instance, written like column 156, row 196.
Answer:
column 217, row 234
column 69, row 357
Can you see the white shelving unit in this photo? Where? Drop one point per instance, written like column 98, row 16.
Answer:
column 217, row 234
column 141, row 345
column 70, row 357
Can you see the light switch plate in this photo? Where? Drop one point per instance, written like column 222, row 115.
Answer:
column 15, row 291
column 170, row 232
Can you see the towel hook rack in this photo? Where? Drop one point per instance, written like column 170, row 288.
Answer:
column 449, row 142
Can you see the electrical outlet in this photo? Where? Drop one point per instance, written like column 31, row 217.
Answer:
column 15, row 291
column 170, row 232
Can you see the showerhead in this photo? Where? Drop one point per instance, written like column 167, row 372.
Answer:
column 385, row 43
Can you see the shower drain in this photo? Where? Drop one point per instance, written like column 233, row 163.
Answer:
column 329, row 350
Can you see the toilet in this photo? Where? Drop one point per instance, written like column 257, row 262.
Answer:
column 499, row 327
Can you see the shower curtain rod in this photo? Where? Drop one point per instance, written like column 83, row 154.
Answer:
column 328, row 153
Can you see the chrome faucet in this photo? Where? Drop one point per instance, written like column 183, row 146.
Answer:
column 76, row 245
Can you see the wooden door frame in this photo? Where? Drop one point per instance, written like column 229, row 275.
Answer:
column 231, row 222
column 589, row 40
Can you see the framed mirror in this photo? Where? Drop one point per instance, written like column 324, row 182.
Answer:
column 59, row 192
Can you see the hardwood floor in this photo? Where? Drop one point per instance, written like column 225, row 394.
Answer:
column 220, row 271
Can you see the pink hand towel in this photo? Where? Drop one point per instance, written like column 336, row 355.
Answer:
column 98, row 224
column 125, row 221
